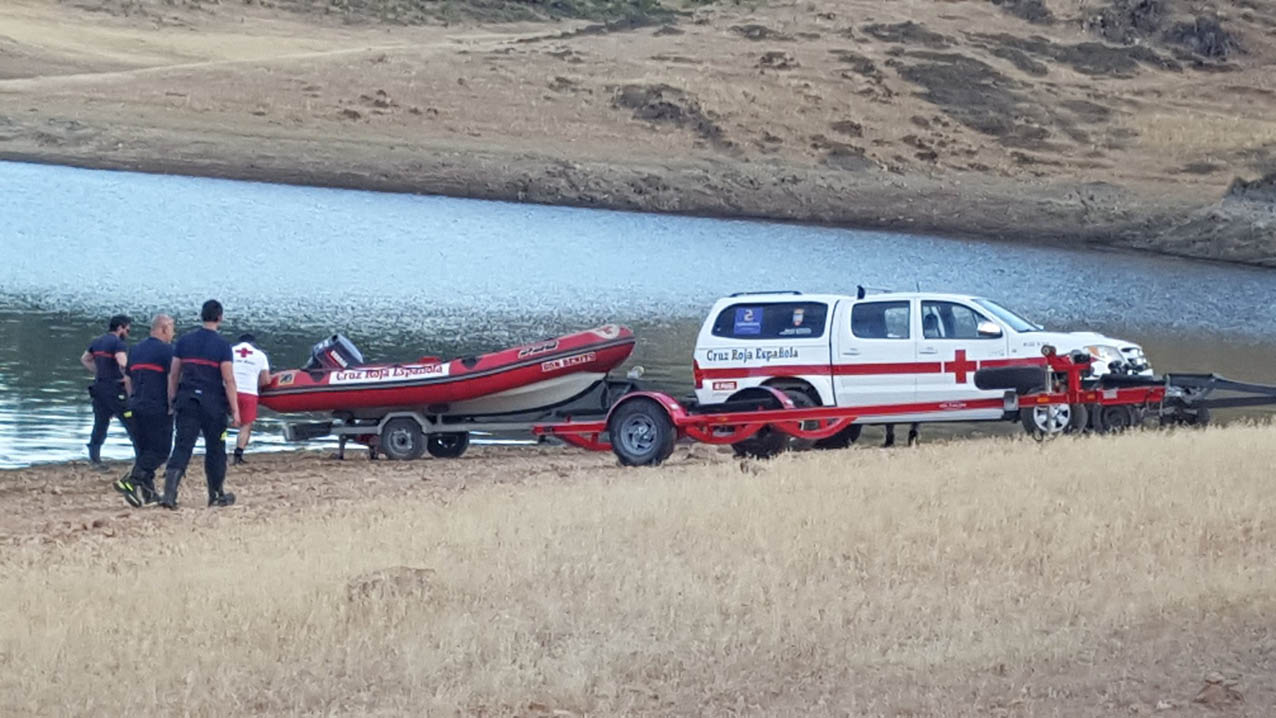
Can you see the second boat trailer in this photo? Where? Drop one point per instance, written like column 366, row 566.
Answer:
column 642, row 427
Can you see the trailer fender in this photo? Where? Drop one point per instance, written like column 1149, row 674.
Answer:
column 677, row 414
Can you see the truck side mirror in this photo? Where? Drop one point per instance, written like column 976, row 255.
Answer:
column 988, row 329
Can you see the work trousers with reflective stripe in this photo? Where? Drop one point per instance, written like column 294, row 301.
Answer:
column 152, row 439
column 108, row 401
column 193, row 418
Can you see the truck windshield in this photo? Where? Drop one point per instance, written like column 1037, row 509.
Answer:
column 1015, row 321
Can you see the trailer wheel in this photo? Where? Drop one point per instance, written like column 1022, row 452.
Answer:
column 1114, row 419
column 402, row 439
column 1068, row 418
column 641, row 433
column 447, row 446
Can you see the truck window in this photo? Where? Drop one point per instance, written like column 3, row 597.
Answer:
column 880, row 320
column 948, row 320
column 779, row 320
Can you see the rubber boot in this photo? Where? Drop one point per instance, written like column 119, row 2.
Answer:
column 171, row 480
column 239, row 457
column 95, row 454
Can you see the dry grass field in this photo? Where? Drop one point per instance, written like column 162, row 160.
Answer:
column 1098, row 577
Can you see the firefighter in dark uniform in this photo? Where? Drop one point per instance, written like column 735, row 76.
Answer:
column 106, row 357
column 201, row 390
column 148, row 366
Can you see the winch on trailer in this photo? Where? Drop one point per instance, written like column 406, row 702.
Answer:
column 642, row 427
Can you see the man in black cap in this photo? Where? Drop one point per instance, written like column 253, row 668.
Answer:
column 106, row 358
column 201, row 390
column 148, row 366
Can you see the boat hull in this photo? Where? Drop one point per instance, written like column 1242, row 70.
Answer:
column 516, row 379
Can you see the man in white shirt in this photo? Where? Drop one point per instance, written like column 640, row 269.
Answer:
column 252, row 370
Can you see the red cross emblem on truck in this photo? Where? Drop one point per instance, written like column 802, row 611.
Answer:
column 960, row 366
column 243, row 353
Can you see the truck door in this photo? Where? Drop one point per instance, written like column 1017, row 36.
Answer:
column 961, row 338
column 875, row 353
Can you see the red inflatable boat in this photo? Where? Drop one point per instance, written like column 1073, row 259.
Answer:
column 513, row 380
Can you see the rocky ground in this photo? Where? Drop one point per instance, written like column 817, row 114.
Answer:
column 1136, row 123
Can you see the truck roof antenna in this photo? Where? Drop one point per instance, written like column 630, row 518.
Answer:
column 859, row 291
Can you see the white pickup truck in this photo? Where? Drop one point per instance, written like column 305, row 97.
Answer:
column 895, row 348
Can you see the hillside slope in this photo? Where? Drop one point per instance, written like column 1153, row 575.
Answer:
column 1119, row 122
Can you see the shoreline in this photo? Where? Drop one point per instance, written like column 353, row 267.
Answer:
column 990, row 207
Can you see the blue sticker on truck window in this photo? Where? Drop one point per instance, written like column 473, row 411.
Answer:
column 748, row 320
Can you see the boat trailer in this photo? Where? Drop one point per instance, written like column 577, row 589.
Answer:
column 642, row 427
column 407, row 433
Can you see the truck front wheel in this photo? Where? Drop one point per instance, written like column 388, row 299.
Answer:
column 1067, row 418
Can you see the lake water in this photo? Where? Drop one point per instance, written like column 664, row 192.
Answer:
column 406, row 275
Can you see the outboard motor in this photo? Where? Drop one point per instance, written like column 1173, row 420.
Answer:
column 335, row 352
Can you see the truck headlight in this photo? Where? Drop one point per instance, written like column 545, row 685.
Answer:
column 1104, row 355
column 1135, row 357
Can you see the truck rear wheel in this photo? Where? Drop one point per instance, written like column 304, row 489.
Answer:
column 842, row 439
column 767, row 442
column 641, row 433
column 801, row 399
column 447, row 446
column 402, row 439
